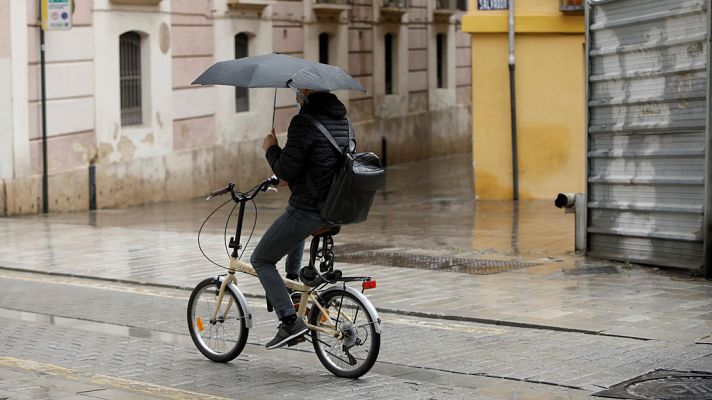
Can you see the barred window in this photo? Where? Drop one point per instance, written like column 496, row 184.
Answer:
column 389, row 63
column 441, row 55
column 324, row 48
column 242, row 96
column 130, row 78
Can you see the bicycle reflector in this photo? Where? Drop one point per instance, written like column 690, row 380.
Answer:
column 199, row 322
column 368, row 284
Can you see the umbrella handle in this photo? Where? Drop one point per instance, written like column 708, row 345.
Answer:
column 274, row 106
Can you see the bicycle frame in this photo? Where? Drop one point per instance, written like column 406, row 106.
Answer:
column 307, row 297
column 240, row 266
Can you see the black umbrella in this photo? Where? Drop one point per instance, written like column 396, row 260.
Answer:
column 278, row 71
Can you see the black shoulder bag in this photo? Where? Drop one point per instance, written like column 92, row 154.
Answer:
column 354, row 185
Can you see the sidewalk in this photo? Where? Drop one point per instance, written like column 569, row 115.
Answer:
column 482, row 261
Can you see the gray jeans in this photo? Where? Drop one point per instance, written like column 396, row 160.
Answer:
column 286, row 236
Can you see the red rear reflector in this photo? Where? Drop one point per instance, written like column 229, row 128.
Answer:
column 369, row 284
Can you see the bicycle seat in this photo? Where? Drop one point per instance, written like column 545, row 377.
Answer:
column 327, row 231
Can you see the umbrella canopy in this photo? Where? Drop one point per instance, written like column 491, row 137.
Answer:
column 278, row 71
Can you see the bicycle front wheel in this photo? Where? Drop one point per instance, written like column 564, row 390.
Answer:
column 224, row 338
column 356, row 350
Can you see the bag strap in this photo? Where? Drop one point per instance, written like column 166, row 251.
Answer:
column 325, row 132
column 350, row 148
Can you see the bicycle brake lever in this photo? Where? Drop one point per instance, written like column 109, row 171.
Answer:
column 272, row 188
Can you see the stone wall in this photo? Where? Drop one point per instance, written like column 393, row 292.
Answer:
column 186, row 174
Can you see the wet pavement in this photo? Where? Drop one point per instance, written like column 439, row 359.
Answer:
column 495, row 262
column 480, row 300
column 419, row 358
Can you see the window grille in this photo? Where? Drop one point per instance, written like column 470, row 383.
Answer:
column 324, row 48
column 130, row 78
column 389, row 63
column 395, row 3
column 446, row 4
column 242, row 96
column 440, row 54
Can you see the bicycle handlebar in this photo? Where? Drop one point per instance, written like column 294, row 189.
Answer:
column 249, row 195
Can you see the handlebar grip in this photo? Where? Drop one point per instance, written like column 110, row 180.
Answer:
column 218, row 192
column 222, row 191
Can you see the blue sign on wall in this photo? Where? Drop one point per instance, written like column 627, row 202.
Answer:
column 492, row 5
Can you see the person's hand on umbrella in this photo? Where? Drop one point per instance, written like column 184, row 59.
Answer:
column 270, row 140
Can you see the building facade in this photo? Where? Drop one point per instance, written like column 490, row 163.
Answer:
column 549, row 97
column 119, row 93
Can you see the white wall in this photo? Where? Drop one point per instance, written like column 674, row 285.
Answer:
column 441, row 98
column 14, row 140
column 7, row 159
column 395, row 104
column 338, row 41
column 155, row 136
column 253, row 124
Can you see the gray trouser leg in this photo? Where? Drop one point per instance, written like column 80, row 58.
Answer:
column 282, row 238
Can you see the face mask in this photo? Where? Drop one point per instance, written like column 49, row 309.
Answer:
column 300, row 98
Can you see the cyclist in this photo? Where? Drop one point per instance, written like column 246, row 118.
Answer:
column 306, row 153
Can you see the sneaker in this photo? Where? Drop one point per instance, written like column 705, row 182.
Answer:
column 286, row 333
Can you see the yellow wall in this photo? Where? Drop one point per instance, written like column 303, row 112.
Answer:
column 550, row 102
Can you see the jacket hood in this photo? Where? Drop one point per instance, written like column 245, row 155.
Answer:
column 325, row 103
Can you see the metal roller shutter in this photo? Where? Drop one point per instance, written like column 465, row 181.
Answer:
column 647, row 88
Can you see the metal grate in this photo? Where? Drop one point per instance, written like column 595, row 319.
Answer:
column 380, row 255
column 130, row 75
column 440, row 41
column 663, row 384
column 324, row 48
column 395, row 3
column 242, row 95
column 446, row 4
column 389, row 62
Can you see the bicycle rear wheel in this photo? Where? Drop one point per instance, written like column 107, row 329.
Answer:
column 352, row 355
column 223, row 339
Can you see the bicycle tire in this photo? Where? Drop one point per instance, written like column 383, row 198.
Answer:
column 328, row 300
column 196, row 324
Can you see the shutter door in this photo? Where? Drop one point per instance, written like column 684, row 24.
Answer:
column 647, row 73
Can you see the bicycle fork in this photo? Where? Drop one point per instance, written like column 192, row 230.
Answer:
column 228, row 280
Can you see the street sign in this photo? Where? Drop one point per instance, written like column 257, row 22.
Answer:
column 492, row 5
column 56, row 15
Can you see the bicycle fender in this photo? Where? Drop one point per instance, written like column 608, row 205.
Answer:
column 378, row 325
column 240, row 298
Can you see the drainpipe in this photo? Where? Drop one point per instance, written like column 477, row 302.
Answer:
column 513, row 105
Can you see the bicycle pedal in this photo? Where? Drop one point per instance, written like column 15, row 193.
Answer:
column 296, row 341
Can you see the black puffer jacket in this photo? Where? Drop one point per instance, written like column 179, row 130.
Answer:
column 307, row 151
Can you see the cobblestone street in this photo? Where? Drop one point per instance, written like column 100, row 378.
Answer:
column 478, row 299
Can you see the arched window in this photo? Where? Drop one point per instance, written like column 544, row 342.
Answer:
column 324, row 48
column 130, row 78
column 242, row 98
column 389, row 63
column 441, row 54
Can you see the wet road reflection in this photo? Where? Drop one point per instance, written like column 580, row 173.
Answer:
column 428, row 204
